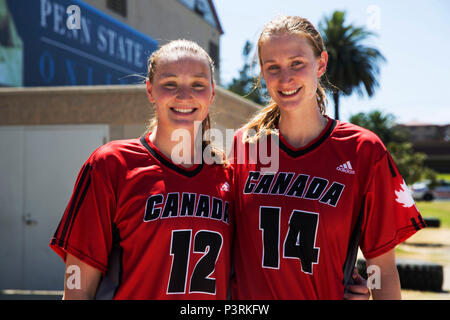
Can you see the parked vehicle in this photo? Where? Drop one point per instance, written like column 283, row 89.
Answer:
column 423, row 190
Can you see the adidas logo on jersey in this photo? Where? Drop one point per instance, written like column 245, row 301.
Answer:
column 346, row 167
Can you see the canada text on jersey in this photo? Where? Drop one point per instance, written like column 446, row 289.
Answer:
column 291, row 185
column 191, row 205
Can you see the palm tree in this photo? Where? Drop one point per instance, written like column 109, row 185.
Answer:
column 384, row 125
column 245, row 85
column 351, row 64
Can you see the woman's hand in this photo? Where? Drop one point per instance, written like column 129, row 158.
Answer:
column 358, row 290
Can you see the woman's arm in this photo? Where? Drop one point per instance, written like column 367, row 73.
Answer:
column 84, row 287
column 389, row 288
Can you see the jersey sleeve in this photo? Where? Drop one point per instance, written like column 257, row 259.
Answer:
column 390, row 214
column 85, row 230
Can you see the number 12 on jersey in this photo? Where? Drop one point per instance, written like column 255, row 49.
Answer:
column 205, row 242
column 299, row 242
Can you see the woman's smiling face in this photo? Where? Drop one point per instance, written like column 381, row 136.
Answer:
column 182, row 90
column 291, row 70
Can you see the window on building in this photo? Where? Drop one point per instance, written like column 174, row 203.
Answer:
column 214, row 53
column 118, row 6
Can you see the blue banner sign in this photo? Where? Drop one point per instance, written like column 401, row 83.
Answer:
column 62, row 42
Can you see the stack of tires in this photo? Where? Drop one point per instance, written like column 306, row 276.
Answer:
column 432, row 222
column 416, row 274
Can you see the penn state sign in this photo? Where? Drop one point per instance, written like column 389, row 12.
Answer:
column 62, row 42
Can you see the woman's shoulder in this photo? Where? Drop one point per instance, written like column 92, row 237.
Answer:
column 353, row 130
column 362, row 138
column 116, row 151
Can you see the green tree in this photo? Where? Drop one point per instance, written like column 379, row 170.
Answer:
column 410, row 164
column 351, row 64
column 246, row 84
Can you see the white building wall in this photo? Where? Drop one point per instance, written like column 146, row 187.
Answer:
column 38, row 166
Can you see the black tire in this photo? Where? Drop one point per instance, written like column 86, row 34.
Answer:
column 414, row 275
column 432, row 222
column 428, row 197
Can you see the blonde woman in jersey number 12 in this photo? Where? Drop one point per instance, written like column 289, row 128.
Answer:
column 142, row 224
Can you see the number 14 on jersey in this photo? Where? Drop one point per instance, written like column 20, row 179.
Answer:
column 299, row 242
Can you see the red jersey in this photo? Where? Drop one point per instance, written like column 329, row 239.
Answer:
column 299, row 224
column 154, row 229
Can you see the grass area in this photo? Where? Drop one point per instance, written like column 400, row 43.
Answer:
column 436, row 209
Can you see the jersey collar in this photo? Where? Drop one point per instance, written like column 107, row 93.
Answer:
column 295, row 153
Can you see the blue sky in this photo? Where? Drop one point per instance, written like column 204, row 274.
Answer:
column 413, row 35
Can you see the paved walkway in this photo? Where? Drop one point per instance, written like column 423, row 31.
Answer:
column 30, row 295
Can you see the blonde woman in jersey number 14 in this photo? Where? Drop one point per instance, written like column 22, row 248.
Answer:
column 329, row 187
